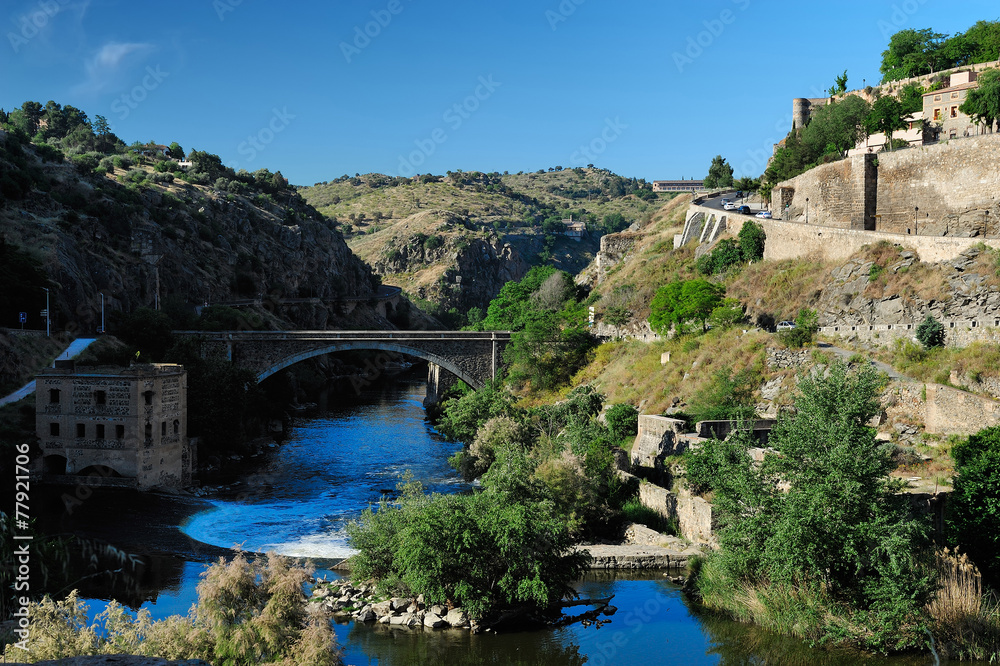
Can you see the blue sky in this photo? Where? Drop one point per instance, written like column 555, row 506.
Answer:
column 318, row 89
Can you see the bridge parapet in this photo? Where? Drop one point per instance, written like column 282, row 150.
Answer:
column 473, row 356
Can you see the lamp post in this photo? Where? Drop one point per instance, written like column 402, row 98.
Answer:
column 46, row 311
column 807, row 210
column 102, row 314
column 915, row 210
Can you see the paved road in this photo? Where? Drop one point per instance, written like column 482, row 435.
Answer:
column 75, row 349
column 716, row 202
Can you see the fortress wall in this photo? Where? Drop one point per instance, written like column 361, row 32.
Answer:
column 955, row 185
column 837, row 194
column 793, row 240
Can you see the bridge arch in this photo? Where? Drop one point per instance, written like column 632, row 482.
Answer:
column 377, row 345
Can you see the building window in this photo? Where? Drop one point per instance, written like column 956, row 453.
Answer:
column 81, row 430
column 954, row 95
column 953, row 135
column 119, row 432
column 101, row 397
column 954, row 112
column 163, row 429
column 937, row 114
column 177, row 427
column 149, row 431
column 54, row 429
column 99, row 431
column 53, row 396
column 148, row 395
column 937, row 98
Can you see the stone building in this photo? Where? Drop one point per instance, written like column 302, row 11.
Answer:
column 942, row 108
column 117, row 427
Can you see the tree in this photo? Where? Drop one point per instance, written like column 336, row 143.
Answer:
column 930, row 332
column 839, row 85
column 677, row 303
column 101, row 126
column 973, row 513
column 174, row 151
column 886, row 116
column 622, row 420
column 720, row 174
column 822, row 517
column 911, row 53
column 983, row 102
column 752, row 238
column 728, row 396
column 911, row 98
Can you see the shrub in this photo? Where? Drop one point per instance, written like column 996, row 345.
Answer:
column 752, row 238
column 622, row 420
column 248, row 612
column 930, row 333
column 974, row 515
column 806, row 325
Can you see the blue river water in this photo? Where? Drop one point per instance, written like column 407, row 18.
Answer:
column 298, row 501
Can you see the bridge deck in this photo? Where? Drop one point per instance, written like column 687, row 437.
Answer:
column 463, row 336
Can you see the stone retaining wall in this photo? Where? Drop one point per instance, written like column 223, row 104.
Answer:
column 956, row 333
column 693, row 514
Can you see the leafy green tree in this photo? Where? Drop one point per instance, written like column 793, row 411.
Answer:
column 725, row 255
column 623, row 420
column 839, row 85
column 720, row 173
column 677, row 303
column 174, row 151
column 911, row 98
column 911, row 53
column 973, row 512
column 806, row 326
column 546, row 353
column 930, row 332
column 983, row 103
column 886, row 117
column 488, row 552
column 728, row 314
column 751, row 238
column 511, row 309
column 822, row 515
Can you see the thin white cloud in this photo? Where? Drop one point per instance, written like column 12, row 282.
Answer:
column 103, row 67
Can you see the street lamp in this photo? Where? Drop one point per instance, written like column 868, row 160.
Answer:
column 915, row 210
column 807, row 210
column 102, row 314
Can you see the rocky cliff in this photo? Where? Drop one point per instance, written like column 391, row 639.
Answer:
column 184, row 244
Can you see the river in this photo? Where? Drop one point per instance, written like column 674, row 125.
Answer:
column 298, row 498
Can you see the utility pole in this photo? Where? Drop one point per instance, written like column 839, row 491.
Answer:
column 102, row 313
column 47, row 320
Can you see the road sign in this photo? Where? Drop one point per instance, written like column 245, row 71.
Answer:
column 22, row 317
column 44, row 313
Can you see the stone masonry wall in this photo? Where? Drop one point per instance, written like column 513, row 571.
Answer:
column 792, row 240
column 836, row 194
column 942, row 410
column 693, row 514
column 954, row 184
column 956, row 333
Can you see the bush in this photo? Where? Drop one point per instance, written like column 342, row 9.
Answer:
column 248, row 612
column 487, row 552
column 752, row 238
column 930, row 333
column 622, row 420
column 973, row 512
column 806, row 325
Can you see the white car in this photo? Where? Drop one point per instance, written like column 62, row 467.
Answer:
column 785, row 325
column 764, row 215
column 729, row 205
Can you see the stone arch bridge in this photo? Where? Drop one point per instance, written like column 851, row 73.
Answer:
column 472, row 356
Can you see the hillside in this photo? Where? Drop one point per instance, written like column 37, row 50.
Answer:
column 84, row 215
column 453, row 241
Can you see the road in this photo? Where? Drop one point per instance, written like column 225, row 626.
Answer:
column 75, row 349
column 716, row 202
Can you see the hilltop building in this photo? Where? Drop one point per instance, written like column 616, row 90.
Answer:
column 123, row 427
column 678, row 186
column 575, row 229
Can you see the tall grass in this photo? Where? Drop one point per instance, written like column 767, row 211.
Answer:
column 966, row 618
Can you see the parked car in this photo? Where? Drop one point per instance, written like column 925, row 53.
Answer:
column 785, row 325
column 729, row 205
column 744, row 210
column 739, row 195
column 764, row 215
